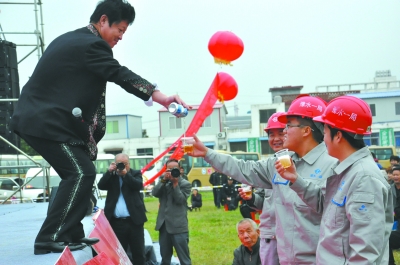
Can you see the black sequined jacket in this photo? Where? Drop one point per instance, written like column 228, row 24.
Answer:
column 73, row 72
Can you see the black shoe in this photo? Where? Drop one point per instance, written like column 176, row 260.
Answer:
column 56, row 247
column 88, row 241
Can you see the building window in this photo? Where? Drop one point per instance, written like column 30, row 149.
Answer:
column 397, row 107
column 175, row 123
column 144, row 151
column 238, row 146
column 207, row 122
column 397, row 138
column 265, row 148
column 372, row 139
column 372, row 107
column 265, row 114
column 112, row 127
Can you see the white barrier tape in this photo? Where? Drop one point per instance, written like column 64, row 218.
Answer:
column 205, row 188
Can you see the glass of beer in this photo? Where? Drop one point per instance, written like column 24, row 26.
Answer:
column 187, row 143
column 284, row 157
column 246, row 189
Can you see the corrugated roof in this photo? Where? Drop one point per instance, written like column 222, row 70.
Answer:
column 385, row 94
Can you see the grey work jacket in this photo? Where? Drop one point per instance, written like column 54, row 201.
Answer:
column 267, row 216
column 297, row 225
column 357, row 212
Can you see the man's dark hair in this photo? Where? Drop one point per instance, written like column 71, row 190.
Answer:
column 395, row 168
column 395, row 158
column 115, row 10
column 170, row 161
column 355, row 143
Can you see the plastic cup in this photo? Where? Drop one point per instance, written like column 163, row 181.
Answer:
column 187, row 143
column 247, row 189
column 284, row 157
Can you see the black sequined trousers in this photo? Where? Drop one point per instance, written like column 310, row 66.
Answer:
column 77, row 172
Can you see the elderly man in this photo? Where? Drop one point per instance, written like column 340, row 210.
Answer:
column 249, row 235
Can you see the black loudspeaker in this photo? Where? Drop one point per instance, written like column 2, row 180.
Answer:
column 53, row 193
column 9, row 88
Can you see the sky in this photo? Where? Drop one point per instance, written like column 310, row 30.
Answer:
column 286, row 43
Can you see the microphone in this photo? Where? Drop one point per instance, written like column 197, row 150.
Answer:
column 77, row 112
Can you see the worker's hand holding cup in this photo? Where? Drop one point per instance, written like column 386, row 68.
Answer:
column 187, row 144
column 284, row 157
column 247, row 189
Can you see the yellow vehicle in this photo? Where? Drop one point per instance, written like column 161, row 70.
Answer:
column 383, row 154
column 15, row 160
column 199, row 171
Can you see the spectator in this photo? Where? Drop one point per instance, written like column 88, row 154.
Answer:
column 183, row 175
column 376, row 160
column 394, row 160
column 124, row 207
column 246, row 208
column 229, row 195
column 248, row 252
column 172, row 222
column 196, row 200
column 394, row 239
column 217, row 179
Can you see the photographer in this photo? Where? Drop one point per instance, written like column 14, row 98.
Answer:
column 172, row 223
column 124, row 206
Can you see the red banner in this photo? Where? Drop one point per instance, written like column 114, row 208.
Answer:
column 101, row 259
column 222, row 87
column 66, row 258
column 109, row 243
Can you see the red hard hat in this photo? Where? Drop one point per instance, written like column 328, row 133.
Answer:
column 304, row 106
column 349, row 114
column 273, row 122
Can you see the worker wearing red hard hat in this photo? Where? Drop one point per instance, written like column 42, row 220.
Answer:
column 297, row 225
column 357, row 204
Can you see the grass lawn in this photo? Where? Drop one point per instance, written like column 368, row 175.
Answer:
column 212, row 232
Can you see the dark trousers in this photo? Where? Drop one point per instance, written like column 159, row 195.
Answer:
column 246, row 211
column 77, row 172
column 394, row 243
column 130, row 235
column 179, row 241
column 217, row 197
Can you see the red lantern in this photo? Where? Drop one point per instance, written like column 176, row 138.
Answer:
column 225, row 46
column 227, row 87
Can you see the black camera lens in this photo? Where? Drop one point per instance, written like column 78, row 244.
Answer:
column 120, row 166
column 175, row 172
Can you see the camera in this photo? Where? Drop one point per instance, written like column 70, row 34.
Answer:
column 120, row 166
column 175, row 172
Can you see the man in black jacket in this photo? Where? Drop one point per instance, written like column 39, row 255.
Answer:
column 229, row 195
column 124, row 206
column 217, row 179
column 248, row 252
column 72, row 75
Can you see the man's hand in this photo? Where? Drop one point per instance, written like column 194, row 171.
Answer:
column 174, row 181
column 164, row 100
column 112, row 167
column 288, row 173
column 243, row 195
column 199, row 149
